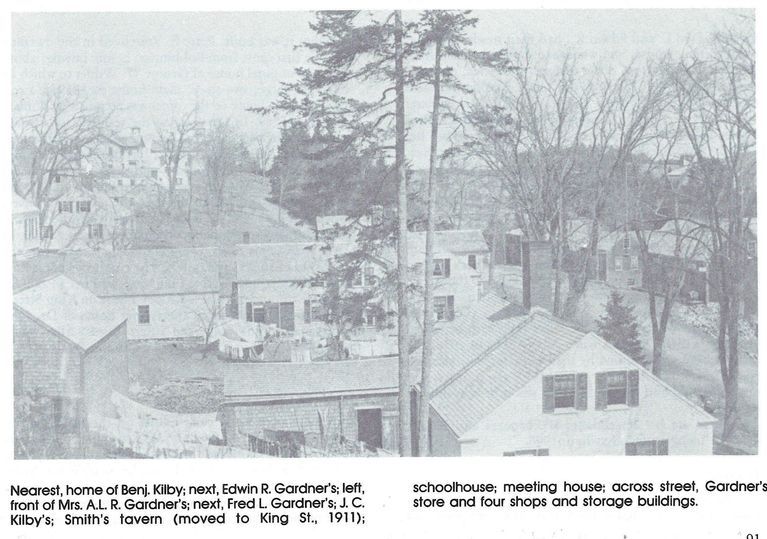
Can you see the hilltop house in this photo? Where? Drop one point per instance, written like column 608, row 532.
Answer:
column 511, row 380
column 70, row 347
column 85, row 219
column 318, row 403
column 189, row 162
column 164, row 293
column 26, row 227
column 117, row 152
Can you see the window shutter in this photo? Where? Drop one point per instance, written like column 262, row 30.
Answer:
column 582, row 391
column 447, row 267
column 272, row 312
column 631, row 448
column 548, row 394
column 249, row 311
column 633, row 389
column 600, row 391
column 450, row 307
column 662, row 447
column 307, row 311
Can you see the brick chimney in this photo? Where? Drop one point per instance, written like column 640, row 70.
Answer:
column 537, row 275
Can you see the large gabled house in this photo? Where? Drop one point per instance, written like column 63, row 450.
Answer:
column 164, row 293
column 86, row 219
column 70, row 348
column 508, row 383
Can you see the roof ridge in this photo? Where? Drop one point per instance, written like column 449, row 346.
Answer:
column 481, row 356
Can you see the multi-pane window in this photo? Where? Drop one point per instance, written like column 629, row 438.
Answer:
column 617, row 388
column 143, row 314
column 444, row 307
column 364, row 276
column 565, row 392
column 473, row 261
column 626, row 243
column 527, row 453
column 83, row 206
column 65, row 206
column 647, row 447
column 46, row 232
column 313, row 311
column 96, row 231
column 441, row 267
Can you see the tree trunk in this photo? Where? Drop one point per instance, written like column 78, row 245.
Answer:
column 403, row 340
column 428, row 296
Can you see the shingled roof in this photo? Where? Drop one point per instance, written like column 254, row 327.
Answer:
column 69, row 310
column 493, row 374
column 145, row 272
column 258, row 382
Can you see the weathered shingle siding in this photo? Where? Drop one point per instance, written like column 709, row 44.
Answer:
column 302, row 415
column 105, row 369
column 49, row 363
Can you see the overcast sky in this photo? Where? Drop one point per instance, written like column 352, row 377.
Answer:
column 155, row 65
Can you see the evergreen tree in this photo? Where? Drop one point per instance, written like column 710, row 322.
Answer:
column 618, row 326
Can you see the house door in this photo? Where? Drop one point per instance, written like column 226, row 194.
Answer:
column 513, row 250
column 370, row 427
column 287, row 314
column 602, row 266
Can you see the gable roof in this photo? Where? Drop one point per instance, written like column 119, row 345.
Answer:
column 495, row 373
column 69, row 310
column 690, row 240
column 272, row 262
column 254, row 382
column 457, row 343
column 448, row 241
column 145, row 272
column 125, row 141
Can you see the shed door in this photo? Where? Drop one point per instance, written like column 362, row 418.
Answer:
column 369, row 427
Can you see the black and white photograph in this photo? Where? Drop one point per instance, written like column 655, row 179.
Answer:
column 383, row 233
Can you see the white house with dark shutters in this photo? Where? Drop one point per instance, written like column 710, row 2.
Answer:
column 509, row 383
column 513, row 380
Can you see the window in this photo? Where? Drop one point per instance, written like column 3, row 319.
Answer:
column 617, row 388
column 30, row 228
column 46, row 232
column 57, row 178
column 444, row 307
column 626, row 262
column 631, row 282
column 647, row 447
column 312, row 310
column 527, row 453
column 246, row 237
column 65, row 206
column 317, row 282
column 83, row 206
column 255, row 312
column 143, row 314
column 626, row 243
column 369, row 318
column 565, row 392
column 364, row 277
column 441, row 267
column 96, row 231
column 132, row 182
column 473, row 261
column 119, row 181
column 154, row 174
